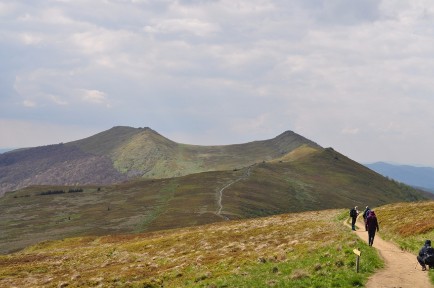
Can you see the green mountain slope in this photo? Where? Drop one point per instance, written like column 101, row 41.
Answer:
column 146, row 153
column 305, row 179
column 123, row 153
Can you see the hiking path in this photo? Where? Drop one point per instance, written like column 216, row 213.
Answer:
column 401, row 268
column 220, row 192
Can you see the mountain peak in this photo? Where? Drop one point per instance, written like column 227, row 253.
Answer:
column 288, row 132
column 291, row 139
column 127, row 152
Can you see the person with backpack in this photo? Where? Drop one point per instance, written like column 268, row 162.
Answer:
column 372, row 223
column 426, row 256
column 365, row 216
column 353, row 214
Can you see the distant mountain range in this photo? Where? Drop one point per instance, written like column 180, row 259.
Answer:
column 421, row 177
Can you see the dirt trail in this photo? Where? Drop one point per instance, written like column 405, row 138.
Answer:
column 400, row 269
column 220, row 193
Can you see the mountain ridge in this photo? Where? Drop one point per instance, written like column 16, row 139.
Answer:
column 124, row 153
column 304, row 180
column 132, row 180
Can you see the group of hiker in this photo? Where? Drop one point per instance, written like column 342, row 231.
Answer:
column 370, row 220
column 426, row 253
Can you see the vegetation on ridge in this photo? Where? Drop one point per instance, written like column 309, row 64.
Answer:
column 319, row 180
column 408, row 225
column 408, row 221
column 145, row 153
column 123, row 153
column 311, row 249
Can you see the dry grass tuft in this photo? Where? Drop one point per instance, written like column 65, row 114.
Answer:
column 407, row 219
column 299, row 274
column 407, row 224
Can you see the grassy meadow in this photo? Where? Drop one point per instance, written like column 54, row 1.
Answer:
column 309, row 249
column 289, row 185
column 136, row 206
column 408, row 225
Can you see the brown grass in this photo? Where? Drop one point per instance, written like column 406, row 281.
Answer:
column 408, row 219
column 407, row 224
column 317, row 181
column 197, row 253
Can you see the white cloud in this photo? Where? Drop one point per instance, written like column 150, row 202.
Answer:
column 248, row 6
column 352, row 131
column 94, row 96
column 353, row 76
column 7, row 8
column 30, row 39
column 58, row 100
column 29, row 103
column 92, row 42
column 192, row 26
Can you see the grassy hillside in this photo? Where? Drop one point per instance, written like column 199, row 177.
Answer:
column 319, row 180
column 105, row 142
column 408, row 225
column 124, row 153
column 144, row 152
column 310, row 249
column 56, row 165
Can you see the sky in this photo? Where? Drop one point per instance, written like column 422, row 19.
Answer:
column 353, row 75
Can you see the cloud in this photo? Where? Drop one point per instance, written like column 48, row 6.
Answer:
column 354, row 76
column 30, row 39
column 29, row 103
column 341, row 12
column 352, row 131
column 7, row 8
column 58, row 100
column 94, row 96
column 192, row 26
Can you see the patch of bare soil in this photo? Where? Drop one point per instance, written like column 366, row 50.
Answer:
column 401, row 268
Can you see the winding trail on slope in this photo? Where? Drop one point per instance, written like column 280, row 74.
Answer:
column 401, row 268
column 220, row 193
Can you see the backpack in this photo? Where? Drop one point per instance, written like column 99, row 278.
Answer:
column 429, row 256
column 353, row 212
column 366, row 213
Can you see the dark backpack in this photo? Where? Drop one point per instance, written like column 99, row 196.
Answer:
column 353, row 212
column 429, row 256
column 366, row 213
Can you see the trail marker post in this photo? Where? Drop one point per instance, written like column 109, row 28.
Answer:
column 358, row 253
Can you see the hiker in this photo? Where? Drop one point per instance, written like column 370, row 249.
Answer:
column 365, row 216
column 372, row 223
column 426, row 255
column 353, row 214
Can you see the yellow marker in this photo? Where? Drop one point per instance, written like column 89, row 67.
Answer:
column 358, row 253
